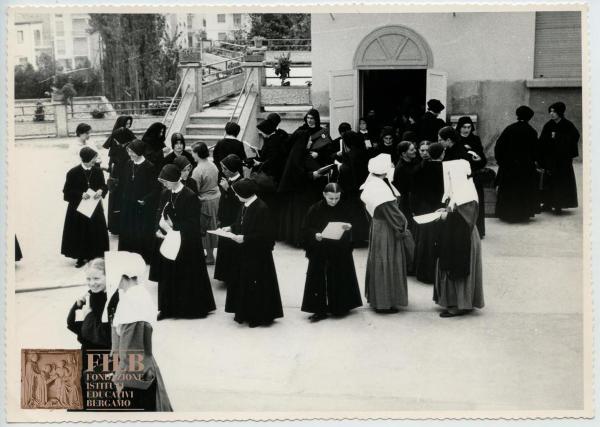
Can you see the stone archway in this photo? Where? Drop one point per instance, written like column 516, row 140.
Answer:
column 393, row 47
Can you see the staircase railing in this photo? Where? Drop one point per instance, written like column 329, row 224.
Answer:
column 175, row 96
column 241, row 94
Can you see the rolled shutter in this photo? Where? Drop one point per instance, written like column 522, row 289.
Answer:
column 557, row 45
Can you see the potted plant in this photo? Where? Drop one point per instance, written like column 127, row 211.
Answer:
column 282, row 68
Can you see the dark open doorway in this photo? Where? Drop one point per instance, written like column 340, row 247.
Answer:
column 391, row 92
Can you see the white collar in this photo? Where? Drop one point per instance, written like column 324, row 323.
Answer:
column 249, row 202
column 139, row 162
column 234, row 177
column 363, row 131
column 87, row 168
column 178, row 188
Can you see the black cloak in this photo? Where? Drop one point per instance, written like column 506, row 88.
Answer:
column 84, row 238
column 558, row 147
column 184, row 289
column 517, row 179
column 331, row 285
column 254, row 295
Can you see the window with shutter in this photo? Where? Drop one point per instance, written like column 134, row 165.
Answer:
column 557, row 45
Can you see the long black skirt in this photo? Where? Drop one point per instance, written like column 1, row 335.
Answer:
column 293, row 211
column 425, row 255
column 83, row 237
column 331, row 285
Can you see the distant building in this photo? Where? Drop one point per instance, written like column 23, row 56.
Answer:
column 64, row 36
column 191, row 28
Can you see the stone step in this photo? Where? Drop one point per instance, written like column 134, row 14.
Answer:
column 213, row 119
column 205, row 129
column 208, row 139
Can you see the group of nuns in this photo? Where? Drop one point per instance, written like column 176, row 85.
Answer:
column 299, row 183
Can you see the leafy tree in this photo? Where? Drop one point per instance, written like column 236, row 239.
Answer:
column 136, row 54
column 280, row 25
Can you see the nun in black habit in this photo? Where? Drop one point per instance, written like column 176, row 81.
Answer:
column 185, row 167
column 472, row 143
column 331, row 285
column 184, row 289
column 229, row 207
column 558, row 147
column 352, row 174
column 140, row 197
column 117, row 167
column 154, row 138
column 255, row 297
column 84, row 238
column 301, row 183
column 426, row 197
column 430, row 123
column 517, row 179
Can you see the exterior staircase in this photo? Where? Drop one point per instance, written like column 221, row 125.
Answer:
column 208, row 126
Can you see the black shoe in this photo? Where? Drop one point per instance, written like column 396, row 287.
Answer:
column 317, row 316
column 545, row 208
column 449, row 314
column 253, row 324
column 387, row 310
column 80, row 263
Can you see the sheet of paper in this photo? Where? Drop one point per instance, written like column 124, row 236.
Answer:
column 169, row 248
column 222, row 233
column 334, row 230
column 425, row 218
column 87, row 207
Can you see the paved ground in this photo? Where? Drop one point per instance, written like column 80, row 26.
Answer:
column 523, row 351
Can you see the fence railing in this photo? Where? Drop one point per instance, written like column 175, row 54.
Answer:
column 27, row 113
column 287, row 44
column 148, row 107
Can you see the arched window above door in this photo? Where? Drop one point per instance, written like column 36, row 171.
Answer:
column 393, row 46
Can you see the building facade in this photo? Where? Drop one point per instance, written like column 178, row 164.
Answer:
column 192, row 28
column 64, row 36
column 482, row 64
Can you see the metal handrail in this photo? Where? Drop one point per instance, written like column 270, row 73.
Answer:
column 176, row 92
column 241, row 93
column 187, row 88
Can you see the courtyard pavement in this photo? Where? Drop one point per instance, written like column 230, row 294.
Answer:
column 523, row 351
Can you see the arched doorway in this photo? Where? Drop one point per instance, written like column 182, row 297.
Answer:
column 392, row 70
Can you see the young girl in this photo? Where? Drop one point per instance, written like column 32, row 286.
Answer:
column 132, row 333
column 206, row 175
column 84, row 238
column 255, row 294
column 331, row 283
column 85, row 316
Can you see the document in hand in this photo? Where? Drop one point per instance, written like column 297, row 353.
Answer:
column 222, row 233
column 325, row 169
column 170, row 245
column 87, row 207
column 425, row 218
column 334, row 230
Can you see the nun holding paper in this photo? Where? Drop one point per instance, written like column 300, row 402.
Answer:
column 385, row 283
column 458, row 284
column 132, row 312
column 179, row 267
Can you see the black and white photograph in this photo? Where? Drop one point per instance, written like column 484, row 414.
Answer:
column 294, row 213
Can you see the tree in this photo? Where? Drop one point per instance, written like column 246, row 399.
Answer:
column 135, row 54
column 280, row 25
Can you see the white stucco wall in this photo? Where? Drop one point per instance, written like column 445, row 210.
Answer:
column 469, row 46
